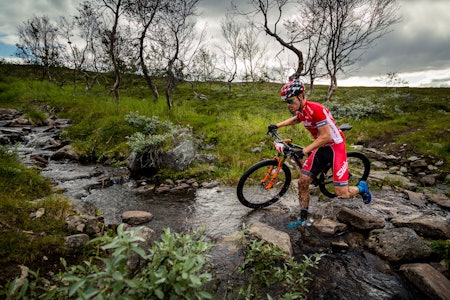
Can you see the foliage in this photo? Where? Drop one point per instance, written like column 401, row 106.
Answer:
column 175, row 270
column 268, row 269
column 153, row 134
column 354, row 110
column 442, row 248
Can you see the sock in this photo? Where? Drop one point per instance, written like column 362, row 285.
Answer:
column 304, row 215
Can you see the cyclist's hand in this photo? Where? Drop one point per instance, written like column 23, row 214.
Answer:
column 299, row 154
column 272, row 128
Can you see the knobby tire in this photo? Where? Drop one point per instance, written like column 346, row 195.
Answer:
column 251, row 191
column 359, row 169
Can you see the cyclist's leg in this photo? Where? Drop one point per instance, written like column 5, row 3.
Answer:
column 311, row 167
column 340, row 176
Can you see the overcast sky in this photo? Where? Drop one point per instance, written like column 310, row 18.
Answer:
column 418, row 48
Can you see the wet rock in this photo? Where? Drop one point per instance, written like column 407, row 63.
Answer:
column 330, row 227
column 428, row 225
column 136, row 217
column 416, row 198
column 66, row 152
column 359, row 220
column 398, row 244
column 76, row 242
column 273, row 236
column 427, row 279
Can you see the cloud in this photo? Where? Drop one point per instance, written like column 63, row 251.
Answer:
column 420, row 42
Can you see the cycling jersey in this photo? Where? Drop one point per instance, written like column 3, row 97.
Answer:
column 314, row 115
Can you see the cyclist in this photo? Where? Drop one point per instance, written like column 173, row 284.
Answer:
column 328, row 146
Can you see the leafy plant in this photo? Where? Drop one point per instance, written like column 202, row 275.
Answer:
column 174, row 270
column 268, row 269
column 153, row 134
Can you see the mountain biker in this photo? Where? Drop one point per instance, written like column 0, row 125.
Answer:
column 328, row 146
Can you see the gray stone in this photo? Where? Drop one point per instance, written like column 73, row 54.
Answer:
column 427, row 279
column 359, row 220
column 76, row 242
column 398, row 244
column 273, row 236
column 136, row 217
column 428, row 225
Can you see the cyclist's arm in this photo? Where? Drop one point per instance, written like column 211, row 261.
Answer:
column 291, row 121
column 323, row 139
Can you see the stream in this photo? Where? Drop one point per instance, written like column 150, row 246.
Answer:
column 350, row 273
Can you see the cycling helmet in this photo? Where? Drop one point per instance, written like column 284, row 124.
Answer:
column 292, row 88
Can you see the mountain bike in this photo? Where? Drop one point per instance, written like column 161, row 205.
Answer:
column 267, row 181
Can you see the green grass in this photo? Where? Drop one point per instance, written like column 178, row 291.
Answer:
column 383, row 117
column 20, row 239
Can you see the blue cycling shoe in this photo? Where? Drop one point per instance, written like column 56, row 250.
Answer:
column 299, row 223
column 294, row 225
column 364, row 192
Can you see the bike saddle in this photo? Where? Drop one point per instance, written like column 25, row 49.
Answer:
column 345, row 126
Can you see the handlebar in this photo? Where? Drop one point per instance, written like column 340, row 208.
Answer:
column 288, row 146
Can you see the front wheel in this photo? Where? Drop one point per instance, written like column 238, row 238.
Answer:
column 253, row 190
column 358, row 169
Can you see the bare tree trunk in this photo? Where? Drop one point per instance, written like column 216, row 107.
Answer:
column 333, row 86
column 147, row 76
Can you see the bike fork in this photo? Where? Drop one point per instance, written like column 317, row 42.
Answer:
column 273, row 176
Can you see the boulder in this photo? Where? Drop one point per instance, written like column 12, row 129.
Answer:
column 272, row 236
column 427, row 279
column 359, row 220
column 398, row 244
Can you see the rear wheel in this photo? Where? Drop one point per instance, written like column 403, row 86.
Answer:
column 358, row 168
column 253, row 192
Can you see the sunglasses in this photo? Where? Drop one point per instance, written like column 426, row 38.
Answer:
column 289, row 101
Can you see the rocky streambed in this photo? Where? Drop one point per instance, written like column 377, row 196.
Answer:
column 376, row 251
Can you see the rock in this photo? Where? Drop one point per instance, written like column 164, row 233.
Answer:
column 428, row 280
column 428, row 180
column 428, row 225
column 66, row 152
column 83, row 223
column 421, row 163
column 398, row 244
column 180, row 157
column 383, row 175
column 76, row 242
column 328, row 226
column 416, row 198
column 135, row 261
column 270, row 235
column 136, row 217
column 359, row 220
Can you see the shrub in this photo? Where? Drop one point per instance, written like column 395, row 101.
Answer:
column 267, row 269
column 153, row 134
column 175, row 270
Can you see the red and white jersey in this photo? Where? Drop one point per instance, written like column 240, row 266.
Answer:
column 314, row 115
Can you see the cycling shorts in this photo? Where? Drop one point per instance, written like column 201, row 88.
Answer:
column 334, row 155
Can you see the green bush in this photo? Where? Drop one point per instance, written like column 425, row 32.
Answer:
column 175, row 270
column 153, row 134
column 267, row 269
